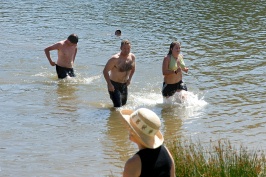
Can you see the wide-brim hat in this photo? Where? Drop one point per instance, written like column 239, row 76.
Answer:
column 146, row 125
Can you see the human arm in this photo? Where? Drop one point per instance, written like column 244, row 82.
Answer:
column 76, row 50
column 108, row 67
column 132, row 167
column 132, row 71
column 172, row 171
column 185, row 69
column 47, row 52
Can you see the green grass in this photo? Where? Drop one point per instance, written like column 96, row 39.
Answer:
column 219, row 159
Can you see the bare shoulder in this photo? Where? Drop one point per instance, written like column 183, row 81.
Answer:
column 166, row 58
column 112, row 61
column 114, row 58
column 60, row 43
column 55, row 46
column 132, row 166
column 133, row 160
column 132, row 56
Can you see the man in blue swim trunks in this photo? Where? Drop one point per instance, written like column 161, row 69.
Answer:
column 118, row 73
column 67, row 50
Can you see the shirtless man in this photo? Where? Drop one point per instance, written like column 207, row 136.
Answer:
column 121, row 67
column 67, row 50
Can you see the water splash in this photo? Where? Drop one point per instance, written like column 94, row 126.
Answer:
column 182, row 98
column 91, row 79
column 79, row 79
column 184, row 104
column 186, row 99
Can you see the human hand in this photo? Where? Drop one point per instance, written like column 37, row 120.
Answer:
column 128, row 82
column 178, row 70
column 111, row 88
column 186, row 69
column 52, row 63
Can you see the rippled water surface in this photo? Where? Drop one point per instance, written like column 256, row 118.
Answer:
column 68, row 127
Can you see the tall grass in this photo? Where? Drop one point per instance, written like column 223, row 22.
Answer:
column 219, row 159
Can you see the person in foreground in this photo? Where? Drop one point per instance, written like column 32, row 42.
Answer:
column 66, row 50
column 173, row 65
column 121, row 67
column 153, row 158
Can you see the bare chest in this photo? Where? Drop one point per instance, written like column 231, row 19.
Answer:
column 124, row 65
column 66, row 52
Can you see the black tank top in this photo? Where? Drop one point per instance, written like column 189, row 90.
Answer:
column 155, row 162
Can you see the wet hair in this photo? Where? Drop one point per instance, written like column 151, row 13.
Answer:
column 73, row 38
column 172, row 46
column 125, row 42
column 118, row 32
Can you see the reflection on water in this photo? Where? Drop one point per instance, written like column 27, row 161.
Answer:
column 117, row 132
column 67, row 99
column 118, row 146
column 172, row 117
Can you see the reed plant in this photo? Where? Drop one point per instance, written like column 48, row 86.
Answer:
column 218, row 159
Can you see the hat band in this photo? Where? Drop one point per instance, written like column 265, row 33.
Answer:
column 142, row 126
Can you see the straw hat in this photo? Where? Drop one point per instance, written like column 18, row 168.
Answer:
column 146, row 124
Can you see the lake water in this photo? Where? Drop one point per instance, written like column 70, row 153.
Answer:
column 68, row 127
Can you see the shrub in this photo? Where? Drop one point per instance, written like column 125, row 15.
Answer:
column 220, row 159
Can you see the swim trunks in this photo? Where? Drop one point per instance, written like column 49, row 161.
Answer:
column 119, row 96
column 63, row 72
column 170, row 89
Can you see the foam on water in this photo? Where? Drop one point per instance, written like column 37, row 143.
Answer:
column 74, row 80
column 184, row 104
column 183, row 98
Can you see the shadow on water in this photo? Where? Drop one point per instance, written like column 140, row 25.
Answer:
column 118, row 146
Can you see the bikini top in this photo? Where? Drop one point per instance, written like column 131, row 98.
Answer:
column 173, row 63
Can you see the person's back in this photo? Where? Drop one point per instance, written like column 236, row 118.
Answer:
column 153, row 159
column 155, row 162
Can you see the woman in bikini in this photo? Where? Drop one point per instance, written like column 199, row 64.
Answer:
column 173, row 65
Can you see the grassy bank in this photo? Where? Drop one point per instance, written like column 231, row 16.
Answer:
column 219, row 159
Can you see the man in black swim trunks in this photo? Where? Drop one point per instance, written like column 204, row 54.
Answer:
column 67, row 50
column 121, row 67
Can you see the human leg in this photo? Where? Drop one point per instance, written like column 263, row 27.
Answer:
column 116, row 98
